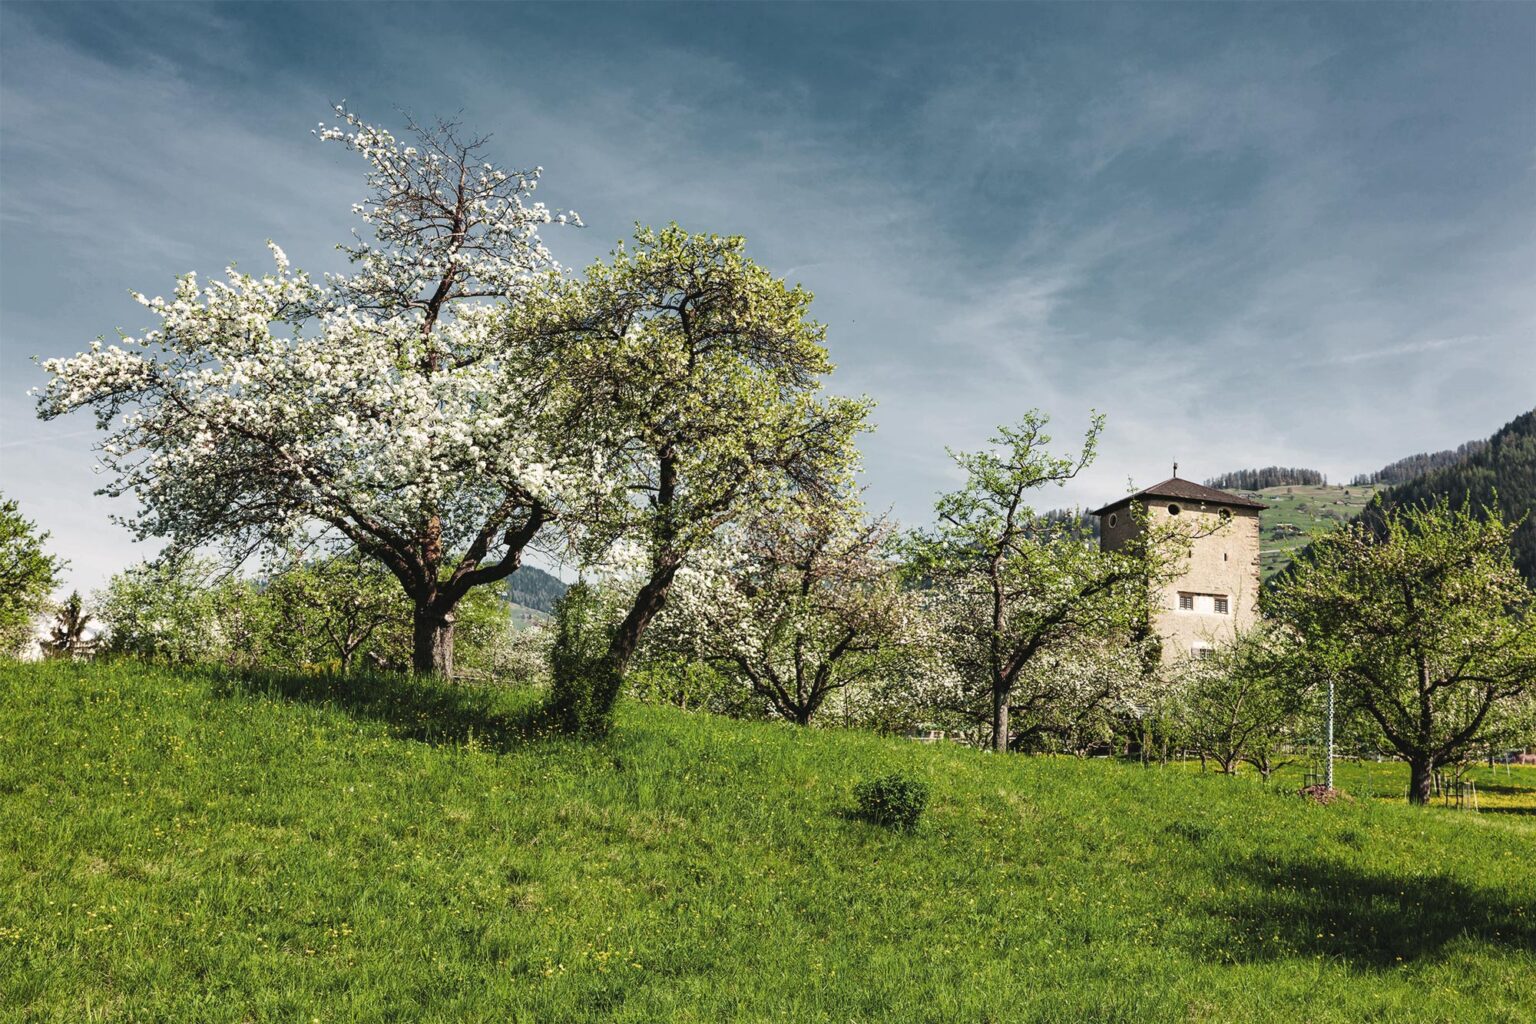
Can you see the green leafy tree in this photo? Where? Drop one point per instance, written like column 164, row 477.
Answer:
column 490, row 644
column 338, row 608
column 28, row 575
column 167, row 610
column 67, row 636
column 1425, row 623
column 337, row 612
column 1013, row 587
column 700, row 375
column 578, row 655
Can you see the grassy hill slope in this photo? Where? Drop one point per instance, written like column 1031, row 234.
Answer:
column 179, row 847
column 1294, row 512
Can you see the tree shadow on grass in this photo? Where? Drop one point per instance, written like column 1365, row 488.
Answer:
column 428, row 711
column 1368, row 919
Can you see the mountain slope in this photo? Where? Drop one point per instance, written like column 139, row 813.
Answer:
column 1296, row 512
column 1501, row 473
column 1415, row 466
column 532, row 587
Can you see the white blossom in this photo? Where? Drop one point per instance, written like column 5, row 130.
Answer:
column 387, row 403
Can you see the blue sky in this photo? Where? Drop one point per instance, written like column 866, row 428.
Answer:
column 1300, row 234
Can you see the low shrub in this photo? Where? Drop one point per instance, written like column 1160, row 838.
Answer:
column 583, row 683
column 895, row 800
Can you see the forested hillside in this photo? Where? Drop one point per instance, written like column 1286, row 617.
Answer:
column 1269, row 476
column 534, row 588
column 1414, row 466
column 1501, row 471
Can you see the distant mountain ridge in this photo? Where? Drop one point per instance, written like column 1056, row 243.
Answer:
column 534, row 588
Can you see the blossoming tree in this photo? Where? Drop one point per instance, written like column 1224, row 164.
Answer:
column 383, row 404
column 801, row 602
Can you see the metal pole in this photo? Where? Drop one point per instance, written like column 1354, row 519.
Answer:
column 1328, row 778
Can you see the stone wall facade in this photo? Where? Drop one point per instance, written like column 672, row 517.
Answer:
column 1217, row 590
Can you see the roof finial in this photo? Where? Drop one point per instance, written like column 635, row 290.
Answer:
column 1175, row 470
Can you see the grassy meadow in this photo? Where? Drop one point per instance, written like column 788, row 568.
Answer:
column 1501, row 789
column 1295, row 511
column 193, row 847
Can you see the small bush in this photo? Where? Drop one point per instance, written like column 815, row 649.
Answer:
column 895, row 801
column 582, row 683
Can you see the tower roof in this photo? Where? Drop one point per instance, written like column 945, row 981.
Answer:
column 1185, row 490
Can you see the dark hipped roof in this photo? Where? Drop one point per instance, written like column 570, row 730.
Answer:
column 1185, row 490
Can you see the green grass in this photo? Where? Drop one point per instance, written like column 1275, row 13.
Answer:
column 1294, row 512
column 1502, row 789
column 181, row 848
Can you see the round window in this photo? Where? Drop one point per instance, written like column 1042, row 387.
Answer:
column 1226, row 515
column 1113, row 519
column 1174, row 510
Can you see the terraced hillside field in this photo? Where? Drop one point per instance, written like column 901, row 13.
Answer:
column 1294, row 512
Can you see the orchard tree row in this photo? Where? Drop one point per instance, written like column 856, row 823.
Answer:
column 660, row 421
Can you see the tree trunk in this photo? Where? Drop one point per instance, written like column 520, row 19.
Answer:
column 647, row 605
column 999, row 722
column 1420, row 780
column 432, row 643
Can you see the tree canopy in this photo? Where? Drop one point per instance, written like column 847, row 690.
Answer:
column 797, row 604
column 1424, row 622
column 1014, row 588
column 28, row 574
column 1269, row 476
column 697, row 376
column 383, row 405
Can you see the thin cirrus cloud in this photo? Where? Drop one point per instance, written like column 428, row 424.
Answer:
column 1407, row 348
column 1248, row 235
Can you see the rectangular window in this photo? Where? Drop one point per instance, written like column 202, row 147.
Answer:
column 1186, row 602
column 1221, row 606
column 1201, row 653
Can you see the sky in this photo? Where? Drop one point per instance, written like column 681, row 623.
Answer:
column 1250, row 235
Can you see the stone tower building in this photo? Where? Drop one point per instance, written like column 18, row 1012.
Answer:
column 1217, row 590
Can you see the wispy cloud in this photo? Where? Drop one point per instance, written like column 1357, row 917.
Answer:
column 1249, row 235
column 1405, row 349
